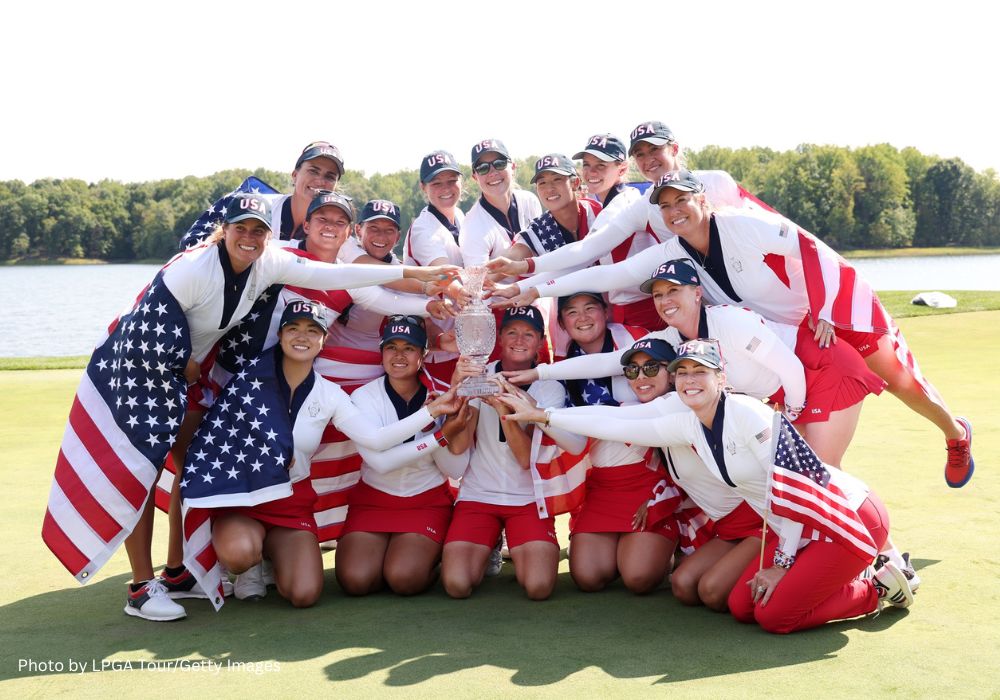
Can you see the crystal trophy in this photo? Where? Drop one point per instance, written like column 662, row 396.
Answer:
column 476, row 333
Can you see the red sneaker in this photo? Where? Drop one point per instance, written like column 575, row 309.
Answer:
column 960, row 465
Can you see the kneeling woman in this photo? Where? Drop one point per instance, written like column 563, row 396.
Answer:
column 284, row 530
column 815, row 571
column 398, row 514
column 605, row 543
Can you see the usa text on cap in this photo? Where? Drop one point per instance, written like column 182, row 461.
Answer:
column 656, row 133
column 321, row 149
column 656, row 348
column 407, row 328
column 528, row 314
column 606, row 147
column 331, row 199
column 683, row 180
column 307, row 309
column 553, row 163
column 380, row 209
column 704, row 351
column 437, row 162
column 488, row 145
column 249, row 206
column 679, row 271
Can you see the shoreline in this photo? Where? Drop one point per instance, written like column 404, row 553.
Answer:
column 897, row 303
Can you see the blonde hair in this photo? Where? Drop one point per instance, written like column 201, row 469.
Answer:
column 216, row 236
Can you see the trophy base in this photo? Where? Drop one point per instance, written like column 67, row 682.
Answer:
column 478, row 386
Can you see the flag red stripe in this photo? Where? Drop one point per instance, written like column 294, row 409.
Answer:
column 332, row 499
column 105, row 456
column 193, row 519
column 814, row 495
column 815, row 289
column 207, row 557
column 335, row 467
column 844, row 303
column 99, row 520
column 66, row 552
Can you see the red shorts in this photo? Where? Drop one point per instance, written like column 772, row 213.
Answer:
column 294, row 512
column 740, row 523
column 640, row 313
column 613, row 496
column 836, row 377
column 865, row 343
column 371, row 510
column 480, row 523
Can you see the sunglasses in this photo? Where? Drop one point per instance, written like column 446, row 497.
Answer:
column 650, row 369
column 498, row 164
column 400, row 318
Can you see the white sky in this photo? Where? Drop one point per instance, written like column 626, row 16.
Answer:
column 137, row 91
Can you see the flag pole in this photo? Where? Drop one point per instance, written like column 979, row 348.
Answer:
column 775, row 428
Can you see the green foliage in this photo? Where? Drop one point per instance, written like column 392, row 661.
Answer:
column 872, row 197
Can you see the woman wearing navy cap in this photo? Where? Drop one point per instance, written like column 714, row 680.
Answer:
column 498, row 491
column 398, row 513
column 605, row 541
column 433, row 238
column 216, row 284
column 811, row 572
column 284, row 530
column 625, row 230
column 502, row 209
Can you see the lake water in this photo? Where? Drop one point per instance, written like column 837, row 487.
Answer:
column 57, row 310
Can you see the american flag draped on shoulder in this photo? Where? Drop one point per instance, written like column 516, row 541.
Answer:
column 800, row 489
column 238, row 457
column 124, row 419
column 837, row 292
column 212, row 217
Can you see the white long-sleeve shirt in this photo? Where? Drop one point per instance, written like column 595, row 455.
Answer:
column 197, row 279
column 411, row 467
column 639, row 215
column 743, row 429
column 759, row 355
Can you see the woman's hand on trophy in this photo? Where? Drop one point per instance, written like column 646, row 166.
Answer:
column 507, row 266
column 466, row 367
column 446, row 404
column 458, row 295
column 520, row 410
column 522, row 299
column 442, row 309
column 521, row 376
column 499, row 291
column 433, row 273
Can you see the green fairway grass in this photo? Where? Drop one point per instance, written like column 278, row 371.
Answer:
column 499, row 644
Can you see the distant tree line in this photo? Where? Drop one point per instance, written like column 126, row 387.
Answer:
column 871, row 197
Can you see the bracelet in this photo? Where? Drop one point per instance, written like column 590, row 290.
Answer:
column 531, row 265
column 548, row 417
column 441, row 439
column 782, row 560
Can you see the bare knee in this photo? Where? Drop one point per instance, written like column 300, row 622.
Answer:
column 642, row 581
column 302, row 594
column 590, row 580
column 712, row 594
column 239, row 554
column 354, row 582
column 684, row 587
column 407, row 582
column 539, row 587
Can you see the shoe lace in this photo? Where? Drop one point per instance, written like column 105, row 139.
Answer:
column 958, row 454
column 156, row 588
